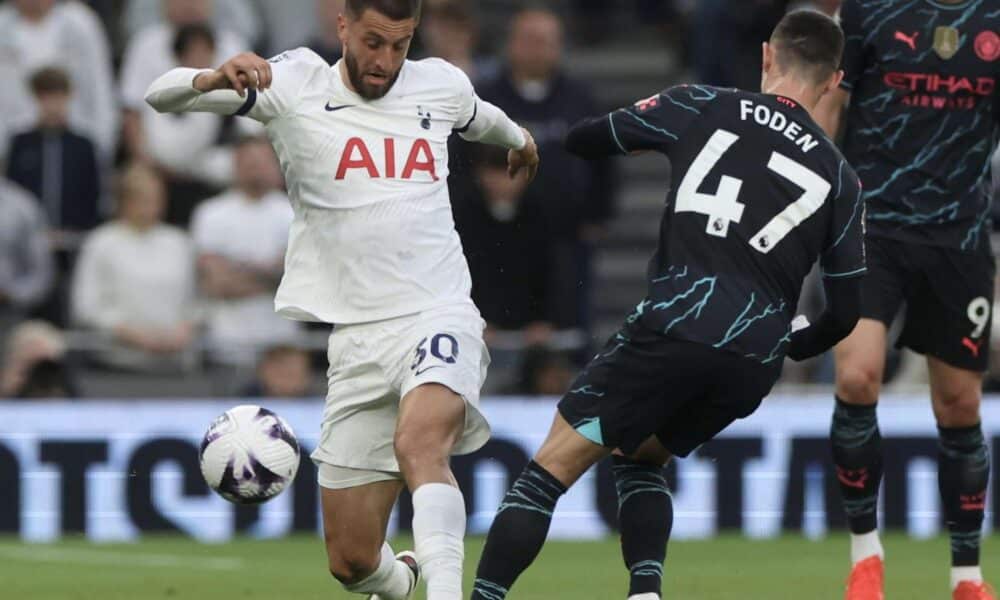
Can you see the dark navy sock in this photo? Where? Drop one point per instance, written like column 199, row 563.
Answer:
column 857, row 456
column 645, row 516
column 518, row 532
column 963, row 475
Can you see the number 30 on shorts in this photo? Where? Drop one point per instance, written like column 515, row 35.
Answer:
column 442, row 346
column 979, row 313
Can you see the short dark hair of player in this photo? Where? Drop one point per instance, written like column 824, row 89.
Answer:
column 50, row 80
column 809, row 42
column 397, row 10
column 191, row 33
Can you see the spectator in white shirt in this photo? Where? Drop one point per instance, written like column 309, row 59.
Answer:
column 68, row 35
column 190, row 147
column 151, row 52
column 240, row 238
column 135, row 281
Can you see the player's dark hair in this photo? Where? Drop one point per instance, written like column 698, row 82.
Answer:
column 189, row 34
column 397, row 10
column 809, row 41
column 50, row 80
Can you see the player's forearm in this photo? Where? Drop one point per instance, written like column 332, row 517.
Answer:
column 843, row 309
column 593, row 138
column 174, row 92
column 491, row 125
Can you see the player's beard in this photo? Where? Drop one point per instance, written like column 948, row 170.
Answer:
column 365, row 90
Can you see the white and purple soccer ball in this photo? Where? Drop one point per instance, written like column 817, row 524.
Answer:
column 249, row 454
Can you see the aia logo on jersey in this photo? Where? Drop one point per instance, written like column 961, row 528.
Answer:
column 357, row 156
column 648, row 104
column 988, row 46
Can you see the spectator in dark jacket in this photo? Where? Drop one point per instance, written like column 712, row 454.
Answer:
column 505, row 241
column 576, row 197
column 56, row 164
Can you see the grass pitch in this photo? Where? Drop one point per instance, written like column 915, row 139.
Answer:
column 295, row 568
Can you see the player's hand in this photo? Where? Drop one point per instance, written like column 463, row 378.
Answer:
column 526, row 158
column 243, row 71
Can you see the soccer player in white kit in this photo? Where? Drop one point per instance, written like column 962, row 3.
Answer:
column 373, row 250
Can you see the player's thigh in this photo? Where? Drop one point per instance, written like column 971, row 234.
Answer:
column 618, row 400
column 956, row 394
column 566, row 454
column 951, row 319
column 438, row 363
column 431, row 421
column 732, row 389
column 359, row 416
column 354, row 525
column 860, row 362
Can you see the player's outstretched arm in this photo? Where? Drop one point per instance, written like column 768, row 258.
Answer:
column 221, row 91
column 843, row 309
column 593, row 138
column 490, row 125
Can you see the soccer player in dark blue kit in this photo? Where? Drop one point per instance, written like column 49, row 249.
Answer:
column 921, row 125
column 760, row 193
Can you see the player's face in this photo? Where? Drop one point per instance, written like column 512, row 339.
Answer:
column 375, row 47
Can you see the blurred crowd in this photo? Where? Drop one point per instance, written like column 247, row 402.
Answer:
column 140, row 243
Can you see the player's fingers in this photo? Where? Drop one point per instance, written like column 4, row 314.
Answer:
column 532, row 171
column 513, row 164
column 265, row 74
column 229, row 70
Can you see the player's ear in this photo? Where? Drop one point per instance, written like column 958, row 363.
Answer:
column 834, row 81
column 767, row 56
column 342, row 29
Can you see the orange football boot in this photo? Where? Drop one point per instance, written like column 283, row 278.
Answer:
column 974, row 590
column 865, row 582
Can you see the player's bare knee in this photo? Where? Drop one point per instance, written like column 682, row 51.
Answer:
column 352, row 564
column 415, row 449
column 957, row 407
column 858, row 383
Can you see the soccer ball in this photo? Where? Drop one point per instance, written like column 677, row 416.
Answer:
column 249, row 455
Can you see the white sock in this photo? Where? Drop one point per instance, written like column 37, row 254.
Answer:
column 865, row 545
column 438, row 529
column 646, row 596
column 960, row 574
column 391, row 580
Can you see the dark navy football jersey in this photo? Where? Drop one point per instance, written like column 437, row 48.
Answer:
column 922, row 122
column 759, row 193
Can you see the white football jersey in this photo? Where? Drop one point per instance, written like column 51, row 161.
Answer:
column 373, row 235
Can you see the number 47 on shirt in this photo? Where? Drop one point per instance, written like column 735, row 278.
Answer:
column 723, row 207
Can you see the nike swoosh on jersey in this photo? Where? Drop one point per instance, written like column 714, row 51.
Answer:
column 335, row 108
column 425, row 369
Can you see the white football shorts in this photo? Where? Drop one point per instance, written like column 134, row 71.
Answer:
column 373, row 365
